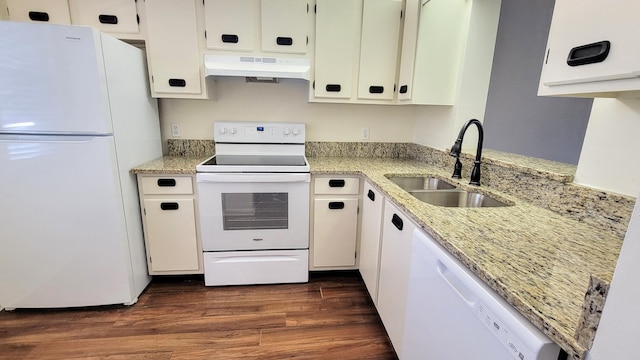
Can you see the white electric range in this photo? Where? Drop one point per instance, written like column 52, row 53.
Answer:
column 253, row 197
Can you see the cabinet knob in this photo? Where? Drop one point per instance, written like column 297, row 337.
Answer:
column 336, row 205
column 108, row 19
column 166, row 182
column 397, row 222
column 371, row 195
column 169, row 206
column 284, row 41
column 177, row 82
column 230, row 38
column 589, row 53
column 38, row 16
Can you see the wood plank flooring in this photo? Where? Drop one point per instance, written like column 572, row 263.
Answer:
column 331, row 317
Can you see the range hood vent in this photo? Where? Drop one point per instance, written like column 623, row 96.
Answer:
column 257, row 67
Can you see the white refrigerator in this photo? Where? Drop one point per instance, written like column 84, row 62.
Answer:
column 75, row 116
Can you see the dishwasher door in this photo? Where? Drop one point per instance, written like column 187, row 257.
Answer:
column 452, row 314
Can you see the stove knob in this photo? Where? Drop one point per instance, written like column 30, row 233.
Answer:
column 287, row 131
column 234, row 130
column 223, row 130
column 296, row 131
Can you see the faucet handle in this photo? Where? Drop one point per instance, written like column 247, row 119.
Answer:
column 475, row 174
column 457, row 169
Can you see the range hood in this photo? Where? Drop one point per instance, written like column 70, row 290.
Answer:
column 258, row 67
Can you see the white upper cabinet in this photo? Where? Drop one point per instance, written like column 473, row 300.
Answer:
column 379, row 49
column 173, row 49
column 338, row 25
column 410, row 22
column 114, row 16
column 52, row 11
column 592, row 49
column 285, row 26
column 230, row 24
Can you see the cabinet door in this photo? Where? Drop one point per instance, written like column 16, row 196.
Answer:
column 408, row 48
column 172, row 46
column 230, row 24
column 52, row 11
column 171, row 231
column 114, row 16
column 335, row 223
column 379, row 49
column 337, row 35
column 285, row 26
column 578, row 30
column 370, row 234
column 395, row 261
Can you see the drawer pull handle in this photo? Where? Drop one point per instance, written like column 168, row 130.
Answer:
column 376, row 89
column 38, row 16
column 336, row 205
column 166, row 182
column 371, row 195
column 177, row 82
column 397, row 222
column 108, row 19
column 589, row 54
column 285, row 41
column 336, row 183
column 333, row 87
column 230, row 38
column 169, row 206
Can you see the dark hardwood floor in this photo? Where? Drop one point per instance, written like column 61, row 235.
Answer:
column 331, row 317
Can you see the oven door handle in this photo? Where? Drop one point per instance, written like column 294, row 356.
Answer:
column 252, row 178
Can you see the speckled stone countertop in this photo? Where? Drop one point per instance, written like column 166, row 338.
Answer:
column 540, row 262
column 170, row 165
column 553, row 270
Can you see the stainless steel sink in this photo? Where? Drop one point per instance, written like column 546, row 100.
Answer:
column 457, row 198
column 420, row 183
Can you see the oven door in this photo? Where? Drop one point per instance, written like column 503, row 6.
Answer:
column 246, row 211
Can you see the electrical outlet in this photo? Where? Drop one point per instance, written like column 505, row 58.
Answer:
column 175, row 130
column 364, row 134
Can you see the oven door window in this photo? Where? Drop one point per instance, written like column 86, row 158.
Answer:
column 255, row 211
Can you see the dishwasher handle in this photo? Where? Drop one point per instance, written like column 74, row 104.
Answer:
column 455, row 283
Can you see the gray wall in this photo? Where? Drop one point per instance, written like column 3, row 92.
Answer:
column 517, row 120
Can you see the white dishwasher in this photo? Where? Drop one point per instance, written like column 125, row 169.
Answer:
column 452, row 314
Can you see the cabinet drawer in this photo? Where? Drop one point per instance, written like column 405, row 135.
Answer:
column 337, row 185
column 158, row 185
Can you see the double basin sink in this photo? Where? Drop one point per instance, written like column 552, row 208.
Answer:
column 438, row 192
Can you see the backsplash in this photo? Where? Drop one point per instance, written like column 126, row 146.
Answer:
column 544, row 183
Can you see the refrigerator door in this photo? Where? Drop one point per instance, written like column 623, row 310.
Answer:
column 52, row 80
column 63, row 240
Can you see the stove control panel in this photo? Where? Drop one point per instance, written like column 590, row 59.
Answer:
column 259, row 132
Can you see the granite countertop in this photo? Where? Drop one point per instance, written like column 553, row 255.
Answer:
column 550, row 268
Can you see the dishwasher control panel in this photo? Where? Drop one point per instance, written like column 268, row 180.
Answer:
column 502, row 333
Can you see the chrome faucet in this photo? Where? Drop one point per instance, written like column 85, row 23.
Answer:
column 457, row 148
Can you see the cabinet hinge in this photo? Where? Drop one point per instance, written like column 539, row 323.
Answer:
column 401, row 14
column 152, row 78
column 205, row 34
column 315, row 8
column 138, row 18
column 307, row 7
column 358, row 210
column 546, row 60
column 307, row 40
column 144, row 211
column 150, row 259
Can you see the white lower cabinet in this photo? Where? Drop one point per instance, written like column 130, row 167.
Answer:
column 395, row 261
column 370, row 235
column 335, row 223
column 170, row 224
